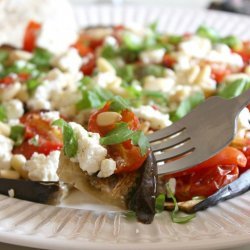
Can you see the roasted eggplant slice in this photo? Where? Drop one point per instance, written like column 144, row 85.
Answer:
column 136, row 190
column 36, row 191
column 143, row 199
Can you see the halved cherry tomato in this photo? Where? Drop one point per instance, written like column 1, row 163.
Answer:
column 220, row 72
column 168, row 61
column 49, row 137
column 209, row 176
column 127, row 156
column 227, row 156
column 29, row 42
column 244, row 52
column 88, row 67
column 205, row 182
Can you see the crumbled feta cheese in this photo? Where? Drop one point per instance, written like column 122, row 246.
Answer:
column 108, row 167
column 152, row 56
column 90, row 154
column 69, row 61
column 156, row 119
column 47, row 95
column 50, row 116
column 243, row 123
column 196, row 46
column 11, row 193
column 43, row 168
column 14, row 109
column 111, row 41
column 158, row 83
column 5, row 152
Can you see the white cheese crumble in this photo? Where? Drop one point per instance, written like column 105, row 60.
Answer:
column 5, row 152
column 243, row 123
column 156, row 119
column 69, row 61
column 196, row 46
column 152, row 56
column 59, row 28
column 14, row 109
column 11, row 193
column 91, row 156
column 108, row 167
column 50, row 116
column 48, row 95
column 153, row 83
column 43, row 168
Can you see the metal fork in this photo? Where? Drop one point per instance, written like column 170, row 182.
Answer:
column 199, row 135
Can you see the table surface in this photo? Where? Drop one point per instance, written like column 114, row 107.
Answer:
column 193, row 3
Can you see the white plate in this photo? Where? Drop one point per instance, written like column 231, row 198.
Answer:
column 95, row 226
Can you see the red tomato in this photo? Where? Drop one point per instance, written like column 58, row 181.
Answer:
column 88, row 68
column 168, row 61
column 8, row 80
column 205, row 182
column 50, row 138
column 219, row 73
column 209, row 176
column 244, row 52
column 127, row 156
column 29, row 42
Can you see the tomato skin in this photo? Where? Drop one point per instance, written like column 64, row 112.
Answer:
column 29, row 42
column 49, row 137
column 205, row 182
column 227, row 156
column 127, row 156
column 88, row 67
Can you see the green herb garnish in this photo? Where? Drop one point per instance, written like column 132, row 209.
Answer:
column 32, row 84
column 118, row 104
column 17, row 134
column 3, row 113
column 122, row 133
column 70, row 144
column 208, row 33
column 232, row 41
column 41, row 58
column 187, row 105
column 132, row 41
column 175, row 217
column 234, row 88
column 159, row 203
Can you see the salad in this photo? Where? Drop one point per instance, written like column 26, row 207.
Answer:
column 78, row 117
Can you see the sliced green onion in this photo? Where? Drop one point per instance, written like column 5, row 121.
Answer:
column 32, row 84
column 175, row 216
column 232, row 41
column 118, row 104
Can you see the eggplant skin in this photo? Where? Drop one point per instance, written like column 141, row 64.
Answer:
column 237, row 187
column 35, row 191
column 142, row 200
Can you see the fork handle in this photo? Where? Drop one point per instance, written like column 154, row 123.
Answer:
column 241, row 101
